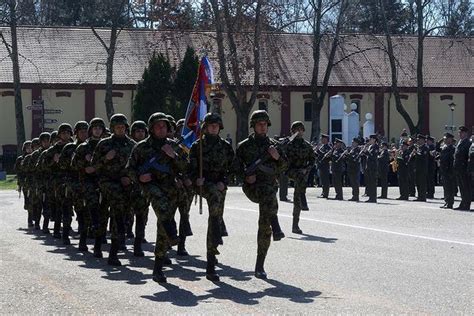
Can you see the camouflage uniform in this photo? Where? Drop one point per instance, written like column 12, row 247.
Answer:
column 21, row 178
column 89, row 193
column 28, row 184
column 301, row 158
column 217, row 158
column 148, row 158
column 111, row 172
column 263, row 190
column 72, row 186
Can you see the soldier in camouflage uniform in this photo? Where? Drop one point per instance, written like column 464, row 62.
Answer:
column 155, row 164
column 259, row 162
column 383, row 163
column 324, row 157
column 56, row 194
column 139, row 132
column 217, row 158
column 337, row 166
column 109, row 160
column 301, row 158
column 72, row 186
column 21, row 177
column 89, row 193
column 29, row 179
column 352, row 158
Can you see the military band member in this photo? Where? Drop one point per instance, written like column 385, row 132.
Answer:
column 420, row 156
column 403, row 156
column 446, row 164
column 461, row 157
column 337, row 166
column 352, row 159
column 383, row 162
column 323, row 155
column 371, row 152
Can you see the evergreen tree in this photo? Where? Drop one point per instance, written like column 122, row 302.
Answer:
column 154, row 90
column 184, row 82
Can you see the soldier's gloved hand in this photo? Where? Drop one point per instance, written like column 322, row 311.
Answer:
column 220, row 186
column 168, row 150
column 125, row 181
column 200, row 181
column 274, row 152
column 146, row 177
column 187, row 182
column 88, row 157
column 110, row 155
column 90, row 170
column 251, row 179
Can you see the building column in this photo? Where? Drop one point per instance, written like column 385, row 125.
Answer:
column 89, row 107
column 36, row 114
column 285, row 111
column 379, row 113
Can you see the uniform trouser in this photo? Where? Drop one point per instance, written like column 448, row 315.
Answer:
column 464, row 182
column 383, row 178
column 300, row 180
column 119, row 202
column 354, row 180
column 37, row 204
column 371, row 184
column 403, row 184
column 324, row 176
column 93, row 211
column 430, row 189
column 411, row 182
column 265, row 195
column 163, row 202
column 28, row 204
column 449, row 187
column 215, row 201
column 337, row 182
column 64, row 212
column 50, row 200
column 184, row 206
column 140, row 211
column 421, row 184
column 283, row 186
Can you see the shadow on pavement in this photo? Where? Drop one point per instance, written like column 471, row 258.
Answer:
column 308, row 237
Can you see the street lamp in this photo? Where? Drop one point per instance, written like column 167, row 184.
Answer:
column 451, row 105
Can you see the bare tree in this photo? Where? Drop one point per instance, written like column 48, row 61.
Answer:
column 10, row 10
column 230, row 18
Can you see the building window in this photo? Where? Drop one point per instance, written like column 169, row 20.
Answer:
column 307, row 110
column 216, row 106
column 263, row 104
column 357, row 102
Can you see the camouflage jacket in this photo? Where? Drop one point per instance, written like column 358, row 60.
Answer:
column 112, row 169
column 300, row 154
column 20, row 175
column 82, row 158
column 217, row 158
column 254, row 148
column 49, row 167
column 65, row 161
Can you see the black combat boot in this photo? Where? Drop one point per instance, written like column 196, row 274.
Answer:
column 98, row 247
column 158, row 275
column 137, row 248
column 277, row 233
column 83, row 242
column 304, row 203
column 37, row 224
column 224, row 232
column 216, row 231
column 45, row 226
column 113, row 259
column 30, row 220
column 296, row 229
column 171, row 232
column 185, row 227
column 259, row 270
column 166, row 260
column 211, row 274
column 66, row 240
column 121, row 244
column 182, row 247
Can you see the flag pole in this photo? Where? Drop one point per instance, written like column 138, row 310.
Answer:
column 200, row 167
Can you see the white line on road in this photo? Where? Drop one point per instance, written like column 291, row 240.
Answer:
column 364, row 228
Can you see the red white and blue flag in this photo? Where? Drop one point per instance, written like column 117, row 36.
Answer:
column 197, row 106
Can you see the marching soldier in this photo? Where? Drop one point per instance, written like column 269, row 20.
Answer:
column 155, row 164
column 403, row 156
column 259, row 161
column 461, row 157
column 29, row 183
column 323, row 154
column 352, row 159
column 72, row 186
column 217, row 157
column 21, row 175
column 446, row 163
column 420, row 156
column 337, row 166
column 301, row 158
column 89, row 183
column 383, row 162
column 39, row 179
column 109, row 160
column 371, row 151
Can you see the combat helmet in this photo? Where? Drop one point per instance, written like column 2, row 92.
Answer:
column 118, row 119
column 35, row 142
column 25, row 144
column 139, row 125
column 44, row 136
column 172, row 121
column 180, row 122
column 156, row 117
column 259, row 115
column 65, row 127
column 296, row 125
column 96, row 121
column 211, row 118
column 80, row 125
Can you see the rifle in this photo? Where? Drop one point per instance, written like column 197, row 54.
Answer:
column 153, row 164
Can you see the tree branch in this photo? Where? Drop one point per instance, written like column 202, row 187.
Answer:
column 100, row 39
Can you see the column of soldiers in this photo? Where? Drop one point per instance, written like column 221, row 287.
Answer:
column 112, row 176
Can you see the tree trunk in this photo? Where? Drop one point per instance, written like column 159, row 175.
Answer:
column 243, row 114
column 20, row 125
column 109, row 105
column 315, row 106
column 419, row 68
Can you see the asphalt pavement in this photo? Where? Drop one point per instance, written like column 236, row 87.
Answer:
column 394, row 257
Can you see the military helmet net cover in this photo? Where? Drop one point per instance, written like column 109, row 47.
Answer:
column 118, row 119
column 211, row 118
column 259, row 115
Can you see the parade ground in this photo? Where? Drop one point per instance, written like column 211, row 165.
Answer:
column 394, row 257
